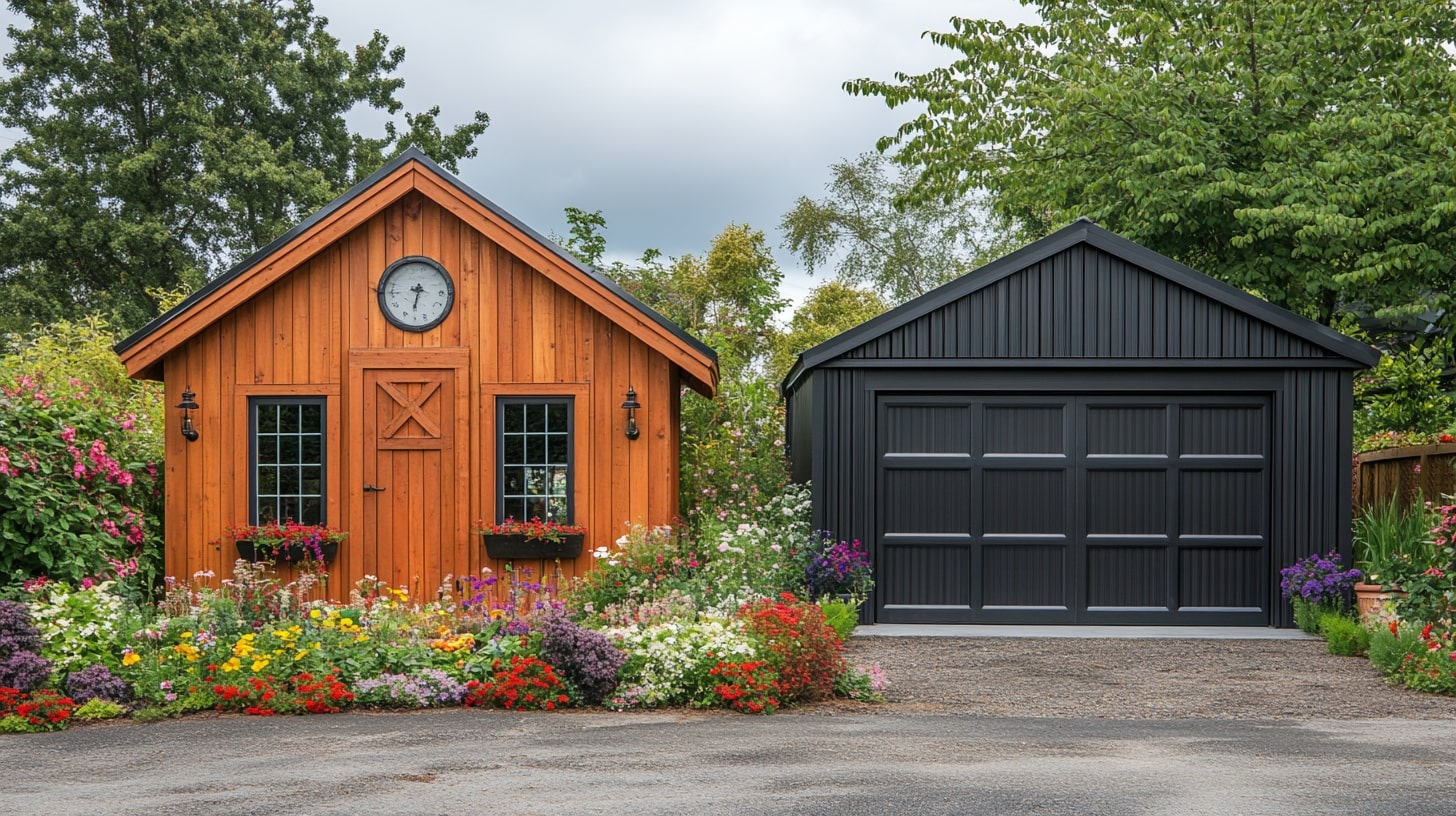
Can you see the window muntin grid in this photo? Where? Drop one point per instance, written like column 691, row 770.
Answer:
column 288, row 449
column 534, row 455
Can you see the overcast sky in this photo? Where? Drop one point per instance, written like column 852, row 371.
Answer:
column 673, row 118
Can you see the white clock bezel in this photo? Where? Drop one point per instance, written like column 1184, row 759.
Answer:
column 398, row 314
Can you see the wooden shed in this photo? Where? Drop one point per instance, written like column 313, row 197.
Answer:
column 407, row 361
column 1084, row 431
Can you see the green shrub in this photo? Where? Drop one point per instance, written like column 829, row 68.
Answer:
column 842, row 617
column 99, row 709
column 1388, row 650
column 1307, row 615
column 1343, row 634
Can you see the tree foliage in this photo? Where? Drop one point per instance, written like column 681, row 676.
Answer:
column 165, row 139
column 870, row 237
column 830, row 309
column 1299, row 149
column 732, row 445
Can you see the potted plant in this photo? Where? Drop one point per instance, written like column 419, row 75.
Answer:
column 1389, row 536
column 287, row 541
column 1314, row 585
column 839, row 570
column 531, row 539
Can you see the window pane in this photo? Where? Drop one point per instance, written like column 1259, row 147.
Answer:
column 313, row 419
column 288, row 481
column 267, row 481
column 536, row 481
column 288, row 450
column 288, row 419
column 312, row 450
column 556, row 417
column 556, row 453
column 515, row 509
column 515, row 450
column 535, row 508
column 267, row 419
column 513, row 419
column 515, row 481
column 313, row 511
column 558, row 508
column 267, row 450
column 558, row 481
column 535, row 450
column 288, row 508
column 535, row 418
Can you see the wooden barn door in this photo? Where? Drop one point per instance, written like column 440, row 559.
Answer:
column 413, row 484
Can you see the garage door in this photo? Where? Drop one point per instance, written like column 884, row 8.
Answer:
column 1073, row 509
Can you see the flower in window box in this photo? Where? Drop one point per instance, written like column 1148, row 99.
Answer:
column 287, row 541
column 531, row 539
column 533, row 530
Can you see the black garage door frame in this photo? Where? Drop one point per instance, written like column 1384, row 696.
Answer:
column 1138, row 384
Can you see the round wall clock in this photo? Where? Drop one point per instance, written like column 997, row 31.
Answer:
column 416, row 293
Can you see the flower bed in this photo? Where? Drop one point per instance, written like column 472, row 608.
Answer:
column 667, row 620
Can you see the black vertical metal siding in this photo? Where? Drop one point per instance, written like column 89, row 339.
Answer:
column 1312, row 477
column 1082, row 303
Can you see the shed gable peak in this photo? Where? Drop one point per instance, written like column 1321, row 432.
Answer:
column 413, row 172
column 1084, row 293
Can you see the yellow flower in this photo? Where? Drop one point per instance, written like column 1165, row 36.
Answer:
column 301, row 654
column 361, row 638
column 232, row 665
column 130, row 658
column 260, row 664
column 315, row 614
column 186, row 635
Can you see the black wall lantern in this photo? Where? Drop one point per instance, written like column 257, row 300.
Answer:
column 188, row 405
column 631, row 406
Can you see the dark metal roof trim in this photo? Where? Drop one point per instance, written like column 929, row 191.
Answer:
column 410, row 154
column 1083, row 230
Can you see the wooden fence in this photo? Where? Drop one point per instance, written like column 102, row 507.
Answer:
column 1431, row 469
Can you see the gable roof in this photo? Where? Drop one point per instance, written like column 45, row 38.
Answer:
column 412, row 170
column 1084, row 232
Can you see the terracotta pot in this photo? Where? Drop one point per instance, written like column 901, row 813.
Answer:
column 519, row 546
column 1370, row 599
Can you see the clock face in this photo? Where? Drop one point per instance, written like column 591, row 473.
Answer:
column 416, row 293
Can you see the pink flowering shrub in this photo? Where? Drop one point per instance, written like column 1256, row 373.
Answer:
column 74, row 490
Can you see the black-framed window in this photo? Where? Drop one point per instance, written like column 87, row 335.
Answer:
column 534, row 458
column 286, row 453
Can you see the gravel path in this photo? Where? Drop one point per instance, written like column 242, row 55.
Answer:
column 1127, row 679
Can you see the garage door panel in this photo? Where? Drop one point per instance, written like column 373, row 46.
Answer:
column 1015, row 502
column 1222, row 503
column 1022, row 574
column 1127, row 575
column 926, row 501
column 1127, row 430
column 1223, row 431
column 928, row 429
column 1222, row 577
column 1127, row 502
column 1024, row 429
column 923, row 572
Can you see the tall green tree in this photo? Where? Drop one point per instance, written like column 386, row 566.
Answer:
column 1299, row 149
column 831, row 308
column 163, row 140
column 864, row 229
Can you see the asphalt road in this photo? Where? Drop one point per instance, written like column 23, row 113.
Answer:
column 810, row 761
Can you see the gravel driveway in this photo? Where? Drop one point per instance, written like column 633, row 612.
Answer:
column 1130, row 679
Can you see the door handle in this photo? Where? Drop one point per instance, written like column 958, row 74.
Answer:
column 369, row 488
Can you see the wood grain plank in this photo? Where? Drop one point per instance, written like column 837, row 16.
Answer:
column 523, row 320
column 505, row 327
column 638, row 449
column 263, row 338
column 543, row 329
column 282, row 350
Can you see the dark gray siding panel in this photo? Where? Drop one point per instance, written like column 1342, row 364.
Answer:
column 801, row 442
column 1313, row 485
column 1085, row 303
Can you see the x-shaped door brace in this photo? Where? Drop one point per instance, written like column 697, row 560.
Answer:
column 413, row 409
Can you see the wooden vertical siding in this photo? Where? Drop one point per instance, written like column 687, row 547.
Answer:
column 521, row 335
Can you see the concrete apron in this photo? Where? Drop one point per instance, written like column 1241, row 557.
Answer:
column 1144, row 632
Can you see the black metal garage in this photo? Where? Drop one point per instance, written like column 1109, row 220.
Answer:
column 1084, row 431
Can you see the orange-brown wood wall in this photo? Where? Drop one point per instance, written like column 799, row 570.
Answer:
column 513, row 331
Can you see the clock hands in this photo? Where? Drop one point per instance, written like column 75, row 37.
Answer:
column 418, row 289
